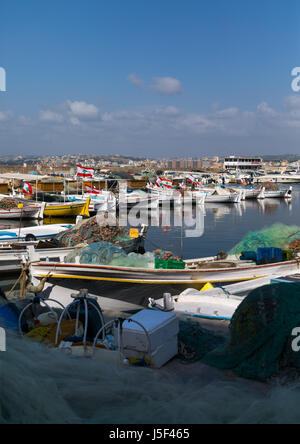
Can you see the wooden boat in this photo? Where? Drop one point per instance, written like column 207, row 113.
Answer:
column 67, row 209
column 11, row 259
column 24, row 212
column 196, row 274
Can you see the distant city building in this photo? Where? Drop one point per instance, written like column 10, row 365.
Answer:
column 243, row 163
column 184, row 164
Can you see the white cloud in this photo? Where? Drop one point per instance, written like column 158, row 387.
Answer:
column 162, row 85
column 166, row 85
column 292, row 102
column 135, row 80
column 5, row 116
column 265, row 109
column 50, row 116
column 227, row 113
column 82, row 110
column 157, row 130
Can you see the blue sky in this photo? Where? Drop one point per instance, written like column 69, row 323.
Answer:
column 155, row 78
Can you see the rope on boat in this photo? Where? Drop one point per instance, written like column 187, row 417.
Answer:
column 23, row 280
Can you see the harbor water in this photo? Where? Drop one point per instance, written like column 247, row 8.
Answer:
column 38, row 385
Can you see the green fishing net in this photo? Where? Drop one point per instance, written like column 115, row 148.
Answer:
column 260, row 345
column 195, row 341
column 103, row 253
column 277, row 235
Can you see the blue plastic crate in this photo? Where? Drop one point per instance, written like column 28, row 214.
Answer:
column 269, row 253
column 248, row 256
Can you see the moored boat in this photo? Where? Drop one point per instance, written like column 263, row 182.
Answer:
column 22, row 212
column 67, row 209
column 196, row 273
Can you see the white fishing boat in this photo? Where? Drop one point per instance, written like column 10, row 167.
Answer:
column 196, row 273
column 284, row 194
column 11, row 260
column 23, row 212
column 225, row 198
column 251, row 193
column 174, row 197
column 140, row 198
column 277, row 178
column 219, row 303
column 35, row 233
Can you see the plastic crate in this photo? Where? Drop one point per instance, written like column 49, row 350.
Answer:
column 248, row 256
column 169, row 265
column 274, row 254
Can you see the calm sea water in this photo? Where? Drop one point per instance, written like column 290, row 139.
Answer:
column 42, row 386
column 225, row 225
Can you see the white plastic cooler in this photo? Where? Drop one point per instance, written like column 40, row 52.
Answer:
column 162, row 337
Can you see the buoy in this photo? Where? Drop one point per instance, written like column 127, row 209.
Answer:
column 207, row 286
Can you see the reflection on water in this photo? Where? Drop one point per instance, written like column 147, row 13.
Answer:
column 225, row 225
column 206, row 229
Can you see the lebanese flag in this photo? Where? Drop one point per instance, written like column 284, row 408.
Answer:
column 27, row 188
column 85, row 172
column 159, row 183
column 167, row 183
column 182, row 185
column 92, row 190
column 192, row 179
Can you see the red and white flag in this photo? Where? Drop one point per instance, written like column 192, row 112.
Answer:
column 85, row 172
column 92, row 190
column 27, row 188
column 163, row 183
column 192, row 179
column 159, row 183
column 167, row 183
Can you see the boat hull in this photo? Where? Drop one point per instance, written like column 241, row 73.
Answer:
column 21, row 213
column 153, row 276
column 69, row 209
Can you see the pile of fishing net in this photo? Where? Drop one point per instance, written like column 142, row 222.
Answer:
column 89, row 231
column 260, row 345
column 104, row 253
column 195, row 342
column 277, row 235
column 8, row 203
column 269, row 186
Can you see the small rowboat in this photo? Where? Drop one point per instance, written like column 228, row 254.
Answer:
column 68, row 209
column 30, row 212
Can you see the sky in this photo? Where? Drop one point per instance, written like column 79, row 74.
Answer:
column 155, row 78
